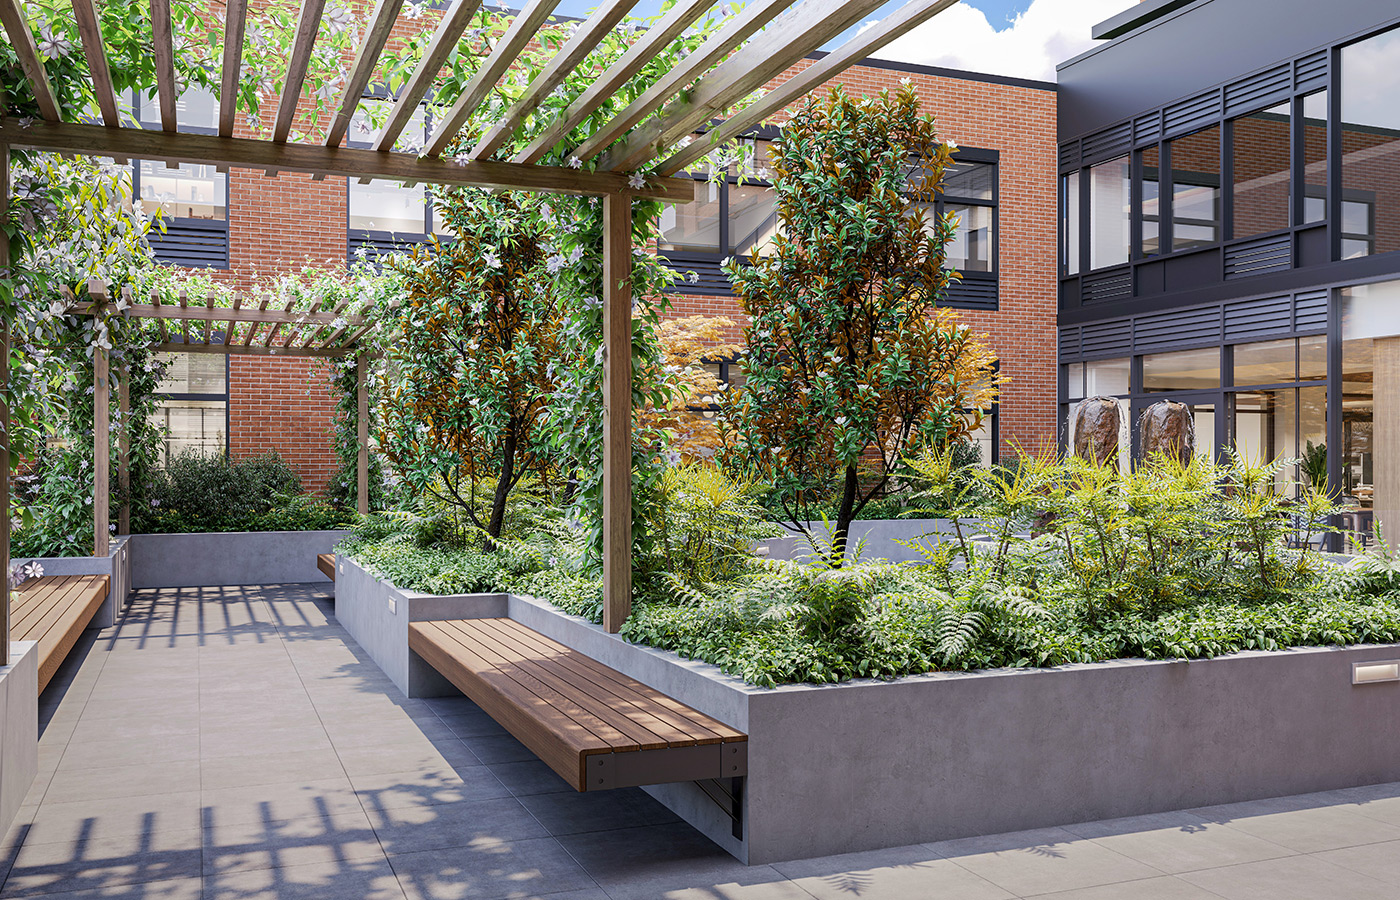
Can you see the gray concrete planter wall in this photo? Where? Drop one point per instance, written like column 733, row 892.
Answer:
column 868, row 764
column 116, row 565
column 19, row 727
column 215, row 559
column 881, row 538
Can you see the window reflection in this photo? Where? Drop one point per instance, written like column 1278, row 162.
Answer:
column 1315, row 157
column 753, row 218
column 1260, row 183
column 1370, row 430
column 1108, row 213
column 1069, row 222
column 1370, row 145
column 694, row 226
column 185, row 192
column 1184, row 370
column 970, row 250
column 1195, row 161
column 1151, row 243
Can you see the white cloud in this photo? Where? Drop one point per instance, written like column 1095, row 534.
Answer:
column 1047, row 33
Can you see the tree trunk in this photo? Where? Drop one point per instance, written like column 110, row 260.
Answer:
column 503, row 482
column 843, row 518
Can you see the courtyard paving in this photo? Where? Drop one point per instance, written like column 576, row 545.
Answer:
column 235, row 744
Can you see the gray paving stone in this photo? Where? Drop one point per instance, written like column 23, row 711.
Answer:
column 484, row 822
column 406, row 757
column 491, row 870
column 574, row 813
column 1293, row 878
column 529, row 776
column 427, row 787
column 364, row 879
column 244, row 846
column 1042, row 861
column 49, row 868
column 895, row 874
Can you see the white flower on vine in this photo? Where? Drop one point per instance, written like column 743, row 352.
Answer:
column 575, row 162
column 636, row 181
column 26, row 121
column 414, row 10
column 951, row 145
column 905, row 81
column 489, row 257
column 555, row 263
column 57, row 309
column 340, row 322
column 592, row 303
column 726, row 261
column 339, row 19
column 51, row 45
column 575, row 255
column 692, row 277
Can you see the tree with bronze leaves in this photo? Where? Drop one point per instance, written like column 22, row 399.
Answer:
column 850, row 364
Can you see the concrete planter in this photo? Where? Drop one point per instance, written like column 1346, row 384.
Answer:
column 866, row 764
column 116, row 565
column 215, row 559
column 19, row 727
column 881, row 538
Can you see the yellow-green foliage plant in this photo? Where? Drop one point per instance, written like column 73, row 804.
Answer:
column 706, row 526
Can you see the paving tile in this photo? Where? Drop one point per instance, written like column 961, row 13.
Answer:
column 427, row 787
column 895, row 874
column 1381, row 861
column 474, row 724
column 1042, row 861
column 170, row 889
column 277, row 802
column 671, row 861
column 491, row 870
column 498, row 749
column 169, row 777
column 529, row 776
column 406, row 757
column 119, row 818
column 180, row 706
column 49, row 868
column 134, row 728
column 410, row 830
column 116, row 753
column 1167, row 887
column 269, row 768
column 573, row 812
column 1313, row 829
column 255, row 741
column 244, row 846
column 364, row 879
column 1179, row 842
column 1294, row 878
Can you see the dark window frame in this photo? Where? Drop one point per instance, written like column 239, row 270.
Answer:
column 215, row 337
column 378, row 242
column 211, row 226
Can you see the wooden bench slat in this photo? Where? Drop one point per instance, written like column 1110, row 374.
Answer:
column 676, row 730
column 551, row 736
column 326, row 563
column 638, row 730
column 39, row 616
column 616, row 736
column 705, row 729
column 54, row 611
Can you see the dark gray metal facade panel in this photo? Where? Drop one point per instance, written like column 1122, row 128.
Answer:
column 1256, row 320
column 1310, row 311
column 1258, row 257
column 1069, row 342
column 1192, row 113
column 973, row 293
column 1159, row 332
column 1207, row 44
column 191, row 242
column 1107, row 338
column 1259, row 90
column 1108, row 144
column 1110, row 284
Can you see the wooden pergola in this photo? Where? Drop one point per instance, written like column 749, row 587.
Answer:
column 750, row 49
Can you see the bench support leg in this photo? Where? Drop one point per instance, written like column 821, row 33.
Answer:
column 728, row 794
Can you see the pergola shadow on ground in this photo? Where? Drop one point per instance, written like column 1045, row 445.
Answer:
column 635, row 153
column 235, row 743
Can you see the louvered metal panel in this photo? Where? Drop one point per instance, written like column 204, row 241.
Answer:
column 1107, row 338
column 973, row 292
column 1069, row 155
column 1147, row 129
column 1270, row 254
column 196, row 243
column 710, row 280
column 1112, row 284
column 1172, row 330
column 1310, row 311
column 1255, row 320
column 1108, row 143
column 1069, row 342
column 1189, row 115
column 1310, row 72
column 1258, row 91
column 377, row 245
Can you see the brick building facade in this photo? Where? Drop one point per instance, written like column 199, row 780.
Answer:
column 279, row 224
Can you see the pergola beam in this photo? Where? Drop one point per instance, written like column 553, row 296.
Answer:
column 808, row 27
column 90, row 30
column 449, row 32
column 660, row 35
column 22, row 40
column 164, row 54
column 297, row 64
column 715, row 48
column 901, row 22
column 589, row 35
column 209, row 149
column 386, row 12
column 254, row 350
column 235, row 27
column 520, row 33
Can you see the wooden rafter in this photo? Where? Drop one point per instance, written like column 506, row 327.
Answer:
column 235, row 27
column 660, row 35
column 588, row 36
column 90, row 30
column 849, row 54
column 22, row 40
column 277, row 326
column 184, row 319
column 297, row 64
column 808, row 27
column 253, row 328
column 715, row 48
column 521, row 31
column 164, row 326
column 454, row 22
column 342, row 161
column 245, row 350
column 371, row 45
column 231, row 326
column 164, row 55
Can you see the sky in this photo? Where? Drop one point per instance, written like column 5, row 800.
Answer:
column 1020, row 38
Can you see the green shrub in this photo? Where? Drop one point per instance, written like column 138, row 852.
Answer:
column 196, row 492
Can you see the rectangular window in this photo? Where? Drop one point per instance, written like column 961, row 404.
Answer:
column 385, row 216
column 1150, row 243
column 193, row 409
column 191, row 199
column 1108, row 213
column 694, row 227
column 189, row 191
column 1097, row 378
column 1195, row 162
column 387, row 206
column 1184, row 370
column 753, row 219
column 1069, row 223
column 1315, row 157
column 1261, row 144
column 1371, row 144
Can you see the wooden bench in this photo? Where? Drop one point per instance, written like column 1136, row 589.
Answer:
column 326, row 563
column 594, row 726
column 54, row 610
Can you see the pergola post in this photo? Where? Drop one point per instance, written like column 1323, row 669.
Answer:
column 101, row 434
column 617, row 411
column 362, row 433
column 124, row 451
column 5, row 415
